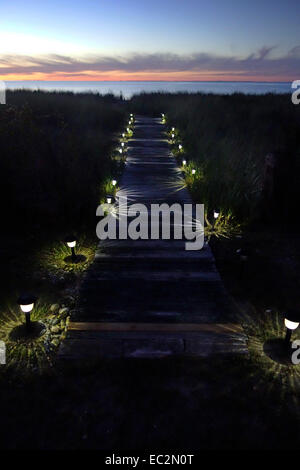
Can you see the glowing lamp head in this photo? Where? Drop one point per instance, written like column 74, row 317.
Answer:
column 122, row 144
column 26, row 302
column 131, row 115
column 120, row 151
column 291, row 319
column 290, row 324
column 173, row 135
column 173, row 129
column 180, row 147
column 114, row 182
column 71, row 241
column 109, row 199
column 162, row 115
column 216, row 214
column 183, row 162
column 128, row 130
column 123, row 135
column 26, row 308
column 193, row 171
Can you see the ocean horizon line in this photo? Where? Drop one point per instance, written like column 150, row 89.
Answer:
column 152, row 81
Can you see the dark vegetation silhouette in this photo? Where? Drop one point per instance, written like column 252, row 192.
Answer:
column 228, row 138
column 55, row 153
column 55, row 156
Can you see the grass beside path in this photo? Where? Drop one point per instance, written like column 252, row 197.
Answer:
column 182, row 404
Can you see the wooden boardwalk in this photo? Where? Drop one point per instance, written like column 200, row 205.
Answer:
column 149, row 298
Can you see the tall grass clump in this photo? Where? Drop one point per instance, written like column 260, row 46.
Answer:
column 55, row 154
column 227, row 137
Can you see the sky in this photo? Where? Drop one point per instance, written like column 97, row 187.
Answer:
column 257, row 40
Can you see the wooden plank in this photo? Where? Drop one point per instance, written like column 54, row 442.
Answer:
column 217, row 328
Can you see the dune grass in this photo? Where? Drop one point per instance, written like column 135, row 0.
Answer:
column 56, row 153
column 226, row 138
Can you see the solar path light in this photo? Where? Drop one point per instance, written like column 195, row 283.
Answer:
column 26, row 302
column 291, row 321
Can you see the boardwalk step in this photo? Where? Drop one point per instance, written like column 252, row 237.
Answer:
column 151, row 275
column 157, row 254
column 189, row 267
column 139, row 341
column 215, row 328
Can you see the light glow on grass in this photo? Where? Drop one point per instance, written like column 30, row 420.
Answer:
column 177, row 184
column 31, row 351
column 52, row 257
column 225, row 225
column 261, row 328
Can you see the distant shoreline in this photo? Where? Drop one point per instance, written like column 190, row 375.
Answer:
column 145, row 81
column 127, row 89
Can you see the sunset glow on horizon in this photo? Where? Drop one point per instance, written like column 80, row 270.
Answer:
column 130, row 40
column 144, row 77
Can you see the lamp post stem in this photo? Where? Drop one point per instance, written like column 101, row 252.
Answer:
column 242, row 269
column 73, row 253
column 287, row 338
column 27, row 318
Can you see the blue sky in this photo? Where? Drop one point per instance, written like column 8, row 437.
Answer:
column 89, row 31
